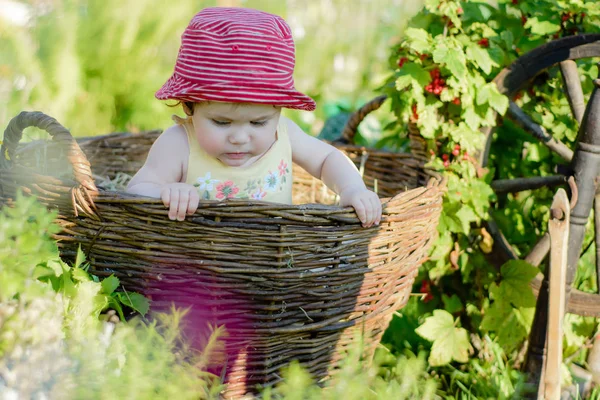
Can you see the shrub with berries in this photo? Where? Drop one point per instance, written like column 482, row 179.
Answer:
column 442, row 83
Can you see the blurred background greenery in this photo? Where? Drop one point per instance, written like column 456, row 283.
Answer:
column 95, row 64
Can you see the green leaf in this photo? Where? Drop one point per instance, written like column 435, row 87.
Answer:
column 80, row 275
column 498, row 101
column 449, row 220
column 449, row 342
column 80, row 258
column 67, row 287
column 412, row 72
column 453, row 58
column 56, row 266
column 541, row 27
column 428, row 123
column 508, row 38
column 481, row 195
column 490, row 94
column 110, row 284
column 507, row 322
column 469, row 139
column 466, row 215
column 443, row 246
column 115, row 305
column 452, row 304
column 134, row 300
column 483, row 94
column 456, row 63
column 471, row 117
column 432, row 4
column 418, row 39
column 480, row 57
column 476, row 11
column 514, row 287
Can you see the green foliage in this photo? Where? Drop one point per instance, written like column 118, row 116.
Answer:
column 403, row 377
column 95, row 65
column 20, row 230
column 441, row 81
column 449, row 342
column 513, row 305
column 58, row 331
column 52, row 341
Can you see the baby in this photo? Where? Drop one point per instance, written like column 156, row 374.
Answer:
column 233, row 74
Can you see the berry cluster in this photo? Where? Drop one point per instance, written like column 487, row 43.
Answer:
column 456, row 152
column 570, row 23
column 437, row 84
column 484, row 42
column 426, row 290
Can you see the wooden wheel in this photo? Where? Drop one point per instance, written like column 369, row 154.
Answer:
column 581, row 160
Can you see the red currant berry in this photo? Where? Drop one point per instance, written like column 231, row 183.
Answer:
column 484, row 42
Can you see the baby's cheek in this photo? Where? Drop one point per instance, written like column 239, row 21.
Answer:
column 265, row 141
column 211, row 145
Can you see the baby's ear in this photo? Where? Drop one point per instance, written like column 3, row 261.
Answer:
column 188, row 108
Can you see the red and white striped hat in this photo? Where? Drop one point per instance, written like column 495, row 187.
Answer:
column 236, row 55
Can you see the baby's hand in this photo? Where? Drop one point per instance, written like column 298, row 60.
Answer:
column 181, row 199
column 365, row 202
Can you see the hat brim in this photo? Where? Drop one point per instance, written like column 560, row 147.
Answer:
column 182, row 89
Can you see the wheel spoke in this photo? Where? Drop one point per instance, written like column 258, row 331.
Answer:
column 521, row 184
column 539, row 132
column 573, row 90
column 539, row 251
column 597, row 238
column 580, row 303
column 500, row 241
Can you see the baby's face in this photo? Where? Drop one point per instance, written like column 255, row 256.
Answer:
column 235, row 134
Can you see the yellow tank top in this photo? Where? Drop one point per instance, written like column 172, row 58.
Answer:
column 269, row 178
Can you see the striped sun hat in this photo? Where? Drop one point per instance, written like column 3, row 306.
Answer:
column 236, row 55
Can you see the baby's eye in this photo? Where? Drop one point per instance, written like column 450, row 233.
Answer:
column 220, row 123
column 258, row 123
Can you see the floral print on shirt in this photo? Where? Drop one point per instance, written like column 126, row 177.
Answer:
column 257, row 188
column 227, row 190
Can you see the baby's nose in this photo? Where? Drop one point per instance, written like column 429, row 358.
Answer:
column 239, row 137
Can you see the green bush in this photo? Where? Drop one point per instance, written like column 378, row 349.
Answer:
column 52, row 341
column 95, row 65
column 55, row 340
column 442, row 82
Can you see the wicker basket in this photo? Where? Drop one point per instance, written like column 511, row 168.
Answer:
column 299, row 281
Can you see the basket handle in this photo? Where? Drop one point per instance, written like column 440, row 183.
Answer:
column 14, row 132
column 352, row 125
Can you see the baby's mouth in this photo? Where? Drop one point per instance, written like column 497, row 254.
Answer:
column 237, row 156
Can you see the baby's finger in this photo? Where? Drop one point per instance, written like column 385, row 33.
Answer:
column 376, row 204
column 184, row 198
column 174, row 204
column 379, row 212
column 165, row 196
column 193, row 203
column 360, row 211
column 369, row 213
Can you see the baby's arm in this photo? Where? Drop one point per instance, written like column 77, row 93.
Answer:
column 163, row 172
column 337, row 172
